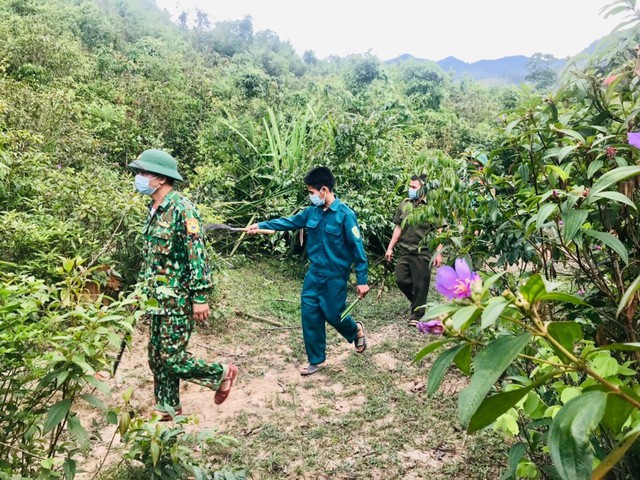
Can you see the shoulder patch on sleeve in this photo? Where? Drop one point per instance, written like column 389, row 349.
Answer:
column 193, row 226
column 356, row 232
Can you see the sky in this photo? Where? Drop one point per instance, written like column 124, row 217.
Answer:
column 430, row 29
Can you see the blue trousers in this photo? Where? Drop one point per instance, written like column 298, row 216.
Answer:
column 323, row 300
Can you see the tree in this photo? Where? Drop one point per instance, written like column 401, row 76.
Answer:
column 540, row 71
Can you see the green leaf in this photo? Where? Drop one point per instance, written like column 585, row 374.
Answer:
column 488, row 365
column 534, row 288
column 82, row 363
column 614, row 176
column 624, row 347
column 562, row 297
column 573, row 220
column 544, row 212
column 463, row 359
column 439, row 368
column 155, row 451
column 69, row 467
column 495, row 306
column 56, row 414
column 495, row 405
column 79, row 432
column 439, row 311
column 94, row 401
column 615, row 196
column 604, row 364
column 558, row 171
column 610, row 241
column 617, row 413
column 570, row 435
column 566, row 334
column 594, row 167
column 432, row 347
column 516, row 452
column 99, row 385
column 571, row 133
column 626, row 298
column 489, row 282
column 465, row 316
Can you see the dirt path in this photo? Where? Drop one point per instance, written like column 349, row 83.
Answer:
column 366, row 416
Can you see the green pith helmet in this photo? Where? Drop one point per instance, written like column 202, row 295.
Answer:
column 157, row 161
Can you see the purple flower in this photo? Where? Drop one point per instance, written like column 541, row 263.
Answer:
column 59, row 166
column 433, row 327
column 598, row 247
column 560, row 222
column 634, row 139
column 456, row 283
column 580, row 292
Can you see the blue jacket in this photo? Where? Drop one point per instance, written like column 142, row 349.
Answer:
column 334, row 241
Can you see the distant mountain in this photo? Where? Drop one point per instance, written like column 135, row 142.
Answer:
column 502, row 70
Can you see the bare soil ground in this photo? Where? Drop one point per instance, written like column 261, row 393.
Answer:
column 365, row 416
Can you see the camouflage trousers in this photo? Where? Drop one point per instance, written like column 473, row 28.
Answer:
column 170, row 362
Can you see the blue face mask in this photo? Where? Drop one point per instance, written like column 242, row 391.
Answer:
column 142, row 185
column 316, row 200
column 413, row 193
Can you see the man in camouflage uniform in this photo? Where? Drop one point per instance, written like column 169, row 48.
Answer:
column 176, row 274
column 413, row 269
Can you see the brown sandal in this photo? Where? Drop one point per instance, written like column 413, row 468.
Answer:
column 221, row 395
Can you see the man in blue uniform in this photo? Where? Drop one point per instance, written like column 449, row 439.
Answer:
column 334, row 243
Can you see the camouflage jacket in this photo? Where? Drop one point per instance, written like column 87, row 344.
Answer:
column 175, row 269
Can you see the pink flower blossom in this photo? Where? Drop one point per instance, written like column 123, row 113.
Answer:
column 609, row 80
column 580, row 292
column 634, row 139
column 456, row 283
column 433, row 327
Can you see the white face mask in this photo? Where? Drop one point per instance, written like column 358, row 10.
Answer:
column 413, row 193
column 316, row 200
column 142, row 185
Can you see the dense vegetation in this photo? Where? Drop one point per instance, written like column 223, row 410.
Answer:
column 85, row 85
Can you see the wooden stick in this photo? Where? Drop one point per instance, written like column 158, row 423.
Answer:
column 218, row 350
column 240, row 313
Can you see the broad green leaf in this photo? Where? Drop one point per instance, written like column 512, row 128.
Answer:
column 626, row 298
column 69, row 467
column 440, row 310
column 94, row 401
column 614, row 176
column 615, row 196
column 566, row 334
column 573, row 220
column 489, row 282
column 463, row 359
column 465, row 316
column 496, row 405
column 439, row 368
column 570, row 434
column 507, row 423
column 99, row 385
column 534, row 287
column 571, row 133
column 594, row 167
column 558, row 171
column 79, row 432
column 492, row 311
column 432, row 347
column 82, row 363
column 624, row 347
column 617, row 413
column 56, row 414
column 561, row 297
column 155, row 451
column 516, row 452
column 569, row 394
column 488, row 365
column 604, row 364
column 610, row 241
column 544, row 212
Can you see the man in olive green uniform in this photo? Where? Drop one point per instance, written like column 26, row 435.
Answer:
column 413, row 268
column 334, row 244
column 176, row 274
